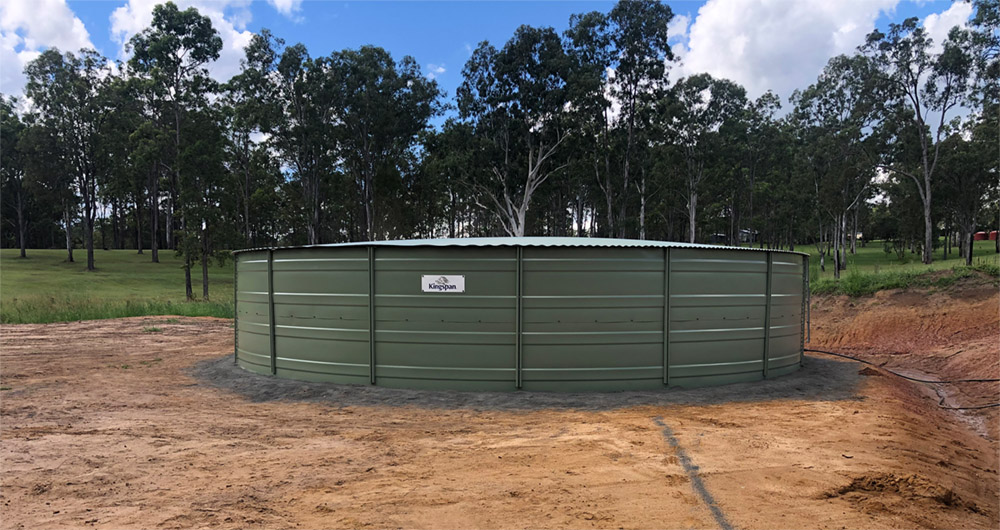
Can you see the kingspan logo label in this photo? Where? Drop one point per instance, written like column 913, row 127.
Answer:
column 442, row 283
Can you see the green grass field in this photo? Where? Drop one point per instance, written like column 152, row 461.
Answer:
column 45, row 288
column 873, row 259
column 872, row 269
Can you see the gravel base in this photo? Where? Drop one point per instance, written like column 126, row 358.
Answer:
column 819, row 380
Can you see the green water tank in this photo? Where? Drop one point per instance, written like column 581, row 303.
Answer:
column 532, row 313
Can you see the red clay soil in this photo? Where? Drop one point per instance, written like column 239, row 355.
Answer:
column 949, row 334
column 110, row 424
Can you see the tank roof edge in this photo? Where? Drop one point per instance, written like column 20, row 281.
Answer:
column 583, row 242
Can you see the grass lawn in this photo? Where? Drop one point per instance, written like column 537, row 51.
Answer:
column 45, row 288
column 873, row 259
column 872, row 269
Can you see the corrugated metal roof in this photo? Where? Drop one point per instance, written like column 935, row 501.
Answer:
column 527, row 242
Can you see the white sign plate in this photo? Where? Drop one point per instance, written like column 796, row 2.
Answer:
column 442, row 283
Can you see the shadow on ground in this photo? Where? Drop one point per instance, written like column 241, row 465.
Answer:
column 819, row 380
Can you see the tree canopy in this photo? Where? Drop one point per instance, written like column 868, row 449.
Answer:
column 584, row 133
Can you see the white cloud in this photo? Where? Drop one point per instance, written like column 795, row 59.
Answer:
column 774, row 44
column 678, row 27
column 27, row 27
column 939, row 24
column 289, row 8
column 258, row 137
column 435, row 70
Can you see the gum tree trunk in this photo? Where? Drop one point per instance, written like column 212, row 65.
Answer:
column 22, row 226
column 67, row 221
column 138, row 226
column 154, row 216
column 927, row 257
column 692, row 211
column 204, row 266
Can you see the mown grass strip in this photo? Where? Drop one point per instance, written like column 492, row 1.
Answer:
column 872, row 258
column 43, row 310
column 855, row 283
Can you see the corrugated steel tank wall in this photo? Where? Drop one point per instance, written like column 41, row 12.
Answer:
column 537, row 318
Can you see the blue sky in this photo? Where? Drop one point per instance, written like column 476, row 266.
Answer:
column 776, row 44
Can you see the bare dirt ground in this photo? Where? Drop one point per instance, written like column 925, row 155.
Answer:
column 951, row 334
column 111, row 424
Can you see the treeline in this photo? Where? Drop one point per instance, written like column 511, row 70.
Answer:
column 584, row 133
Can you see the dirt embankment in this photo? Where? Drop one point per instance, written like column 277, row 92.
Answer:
column 111, row 424
column 942, row 335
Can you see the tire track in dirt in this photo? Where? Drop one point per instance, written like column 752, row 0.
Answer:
column 692, row 473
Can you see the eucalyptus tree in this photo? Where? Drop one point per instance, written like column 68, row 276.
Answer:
column 151, row 149
column 959, row 190
column 835, row 117
column 125, row 181
column 68, row 93
column 450, row 164
column 783, row 191
column 48, row 177
column 249, row 108
column 919, row 85
column 969, row 174
column 638, row 34
column 692, row 115
column 15, row 196
column 298, row 111
column 204, row 196
column 380, row 108
column 983, row 38
column 173, row 54
column 515, row 100
column 589, row 50
column 620, row 70
column 760, row 143
column 149, row 146
column 983, row 41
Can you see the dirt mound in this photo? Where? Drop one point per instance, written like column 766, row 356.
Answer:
column 868, row 370
column 910, row 486
column 924, row 333
column 910, row 497
column 905, row 321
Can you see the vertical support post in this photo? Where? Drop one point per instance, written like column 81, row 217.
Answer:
column 808, row 305
column 802, row 313
column 519, row 351
column 371, row 313
column 666, row 316
column 236, row 312
column 270, row 310
column 767, row 314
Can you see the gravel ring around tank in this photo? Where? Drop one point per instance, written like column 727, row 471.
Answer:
column 819, row 379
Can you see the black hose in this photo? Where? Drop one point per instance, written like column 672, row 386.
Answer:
column 991, row 405
column 928, row 381
column 906, row 376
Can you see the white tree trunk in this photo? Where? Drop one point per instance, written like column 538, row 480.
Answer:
column 67, row 220
column 642, row 207
column 928, row 228
column 836, row 249
column 854, row 233
column 692, row 210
